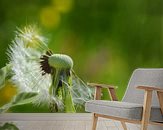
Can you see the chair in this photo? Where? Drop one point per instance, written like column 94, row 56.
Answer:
column 141, row 104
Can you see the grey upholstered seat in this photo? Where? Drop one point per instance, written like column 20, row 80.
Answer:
column 132, row 111
column 132, row 103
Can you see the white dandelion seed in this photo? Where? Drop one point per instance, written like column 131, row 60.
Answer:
column 25, row 64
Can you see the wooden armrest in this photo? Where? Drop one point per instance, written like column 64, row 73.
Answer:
column 102, row 85
column 150, row 88
column 148, row 98
column 111, row 90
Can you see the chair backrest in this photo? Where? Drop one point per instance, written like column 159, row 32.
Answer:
column 147, row 77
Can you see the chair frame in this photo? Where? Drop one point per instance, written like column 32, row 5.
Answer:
column 146, row 106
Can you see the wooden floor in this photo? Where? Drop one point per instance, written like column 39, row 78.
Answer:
column 58, row 122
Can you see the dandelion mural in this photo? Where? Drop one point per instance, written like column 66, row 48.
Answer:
column 42, row 77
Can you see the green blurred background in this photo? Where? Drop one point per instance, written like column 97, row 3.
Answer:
column 107, row 39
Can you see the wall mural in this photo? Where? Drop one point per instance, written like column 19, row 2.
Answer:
column 40, row 77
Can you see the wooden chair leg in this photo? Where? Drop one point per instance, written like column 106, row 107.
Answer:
column 94, row 123
column 160, row 98
column 146, row 109
column 124, row 125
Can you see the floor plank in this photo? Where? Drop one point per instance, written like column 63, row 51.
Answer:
column 59, row 121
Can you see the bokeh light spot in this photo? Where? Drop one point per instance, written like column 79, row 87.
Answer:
column 63, row 6
column 7, row 93
column 50, row 17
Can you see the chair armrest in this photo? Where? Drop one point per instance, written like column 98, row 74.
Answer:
column 102, row 85
column 150, row 88
column 98, row 87
column 148, row 97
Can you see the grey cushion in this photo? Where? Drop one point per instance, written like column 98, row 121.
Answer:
column 125, row 110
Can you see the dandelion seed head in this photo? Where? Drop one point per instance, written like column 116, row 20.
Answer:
column 28, row 56
column 27, row 74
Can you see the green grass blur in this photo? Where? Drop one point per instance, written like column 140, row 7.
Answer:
column 107, row 39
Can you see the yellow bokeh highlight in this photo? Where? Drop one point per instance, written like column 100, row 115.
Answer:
column 63, row 6
column 7, row 93
column 50, row 17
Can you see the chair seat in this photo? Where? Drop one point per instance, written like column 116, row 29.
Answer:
column 131, row 111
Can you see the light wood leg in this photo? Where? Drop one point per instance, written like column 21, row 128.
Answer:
column 124, row 125
column 146, row 109
column 160, row 98
column 94, row 123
